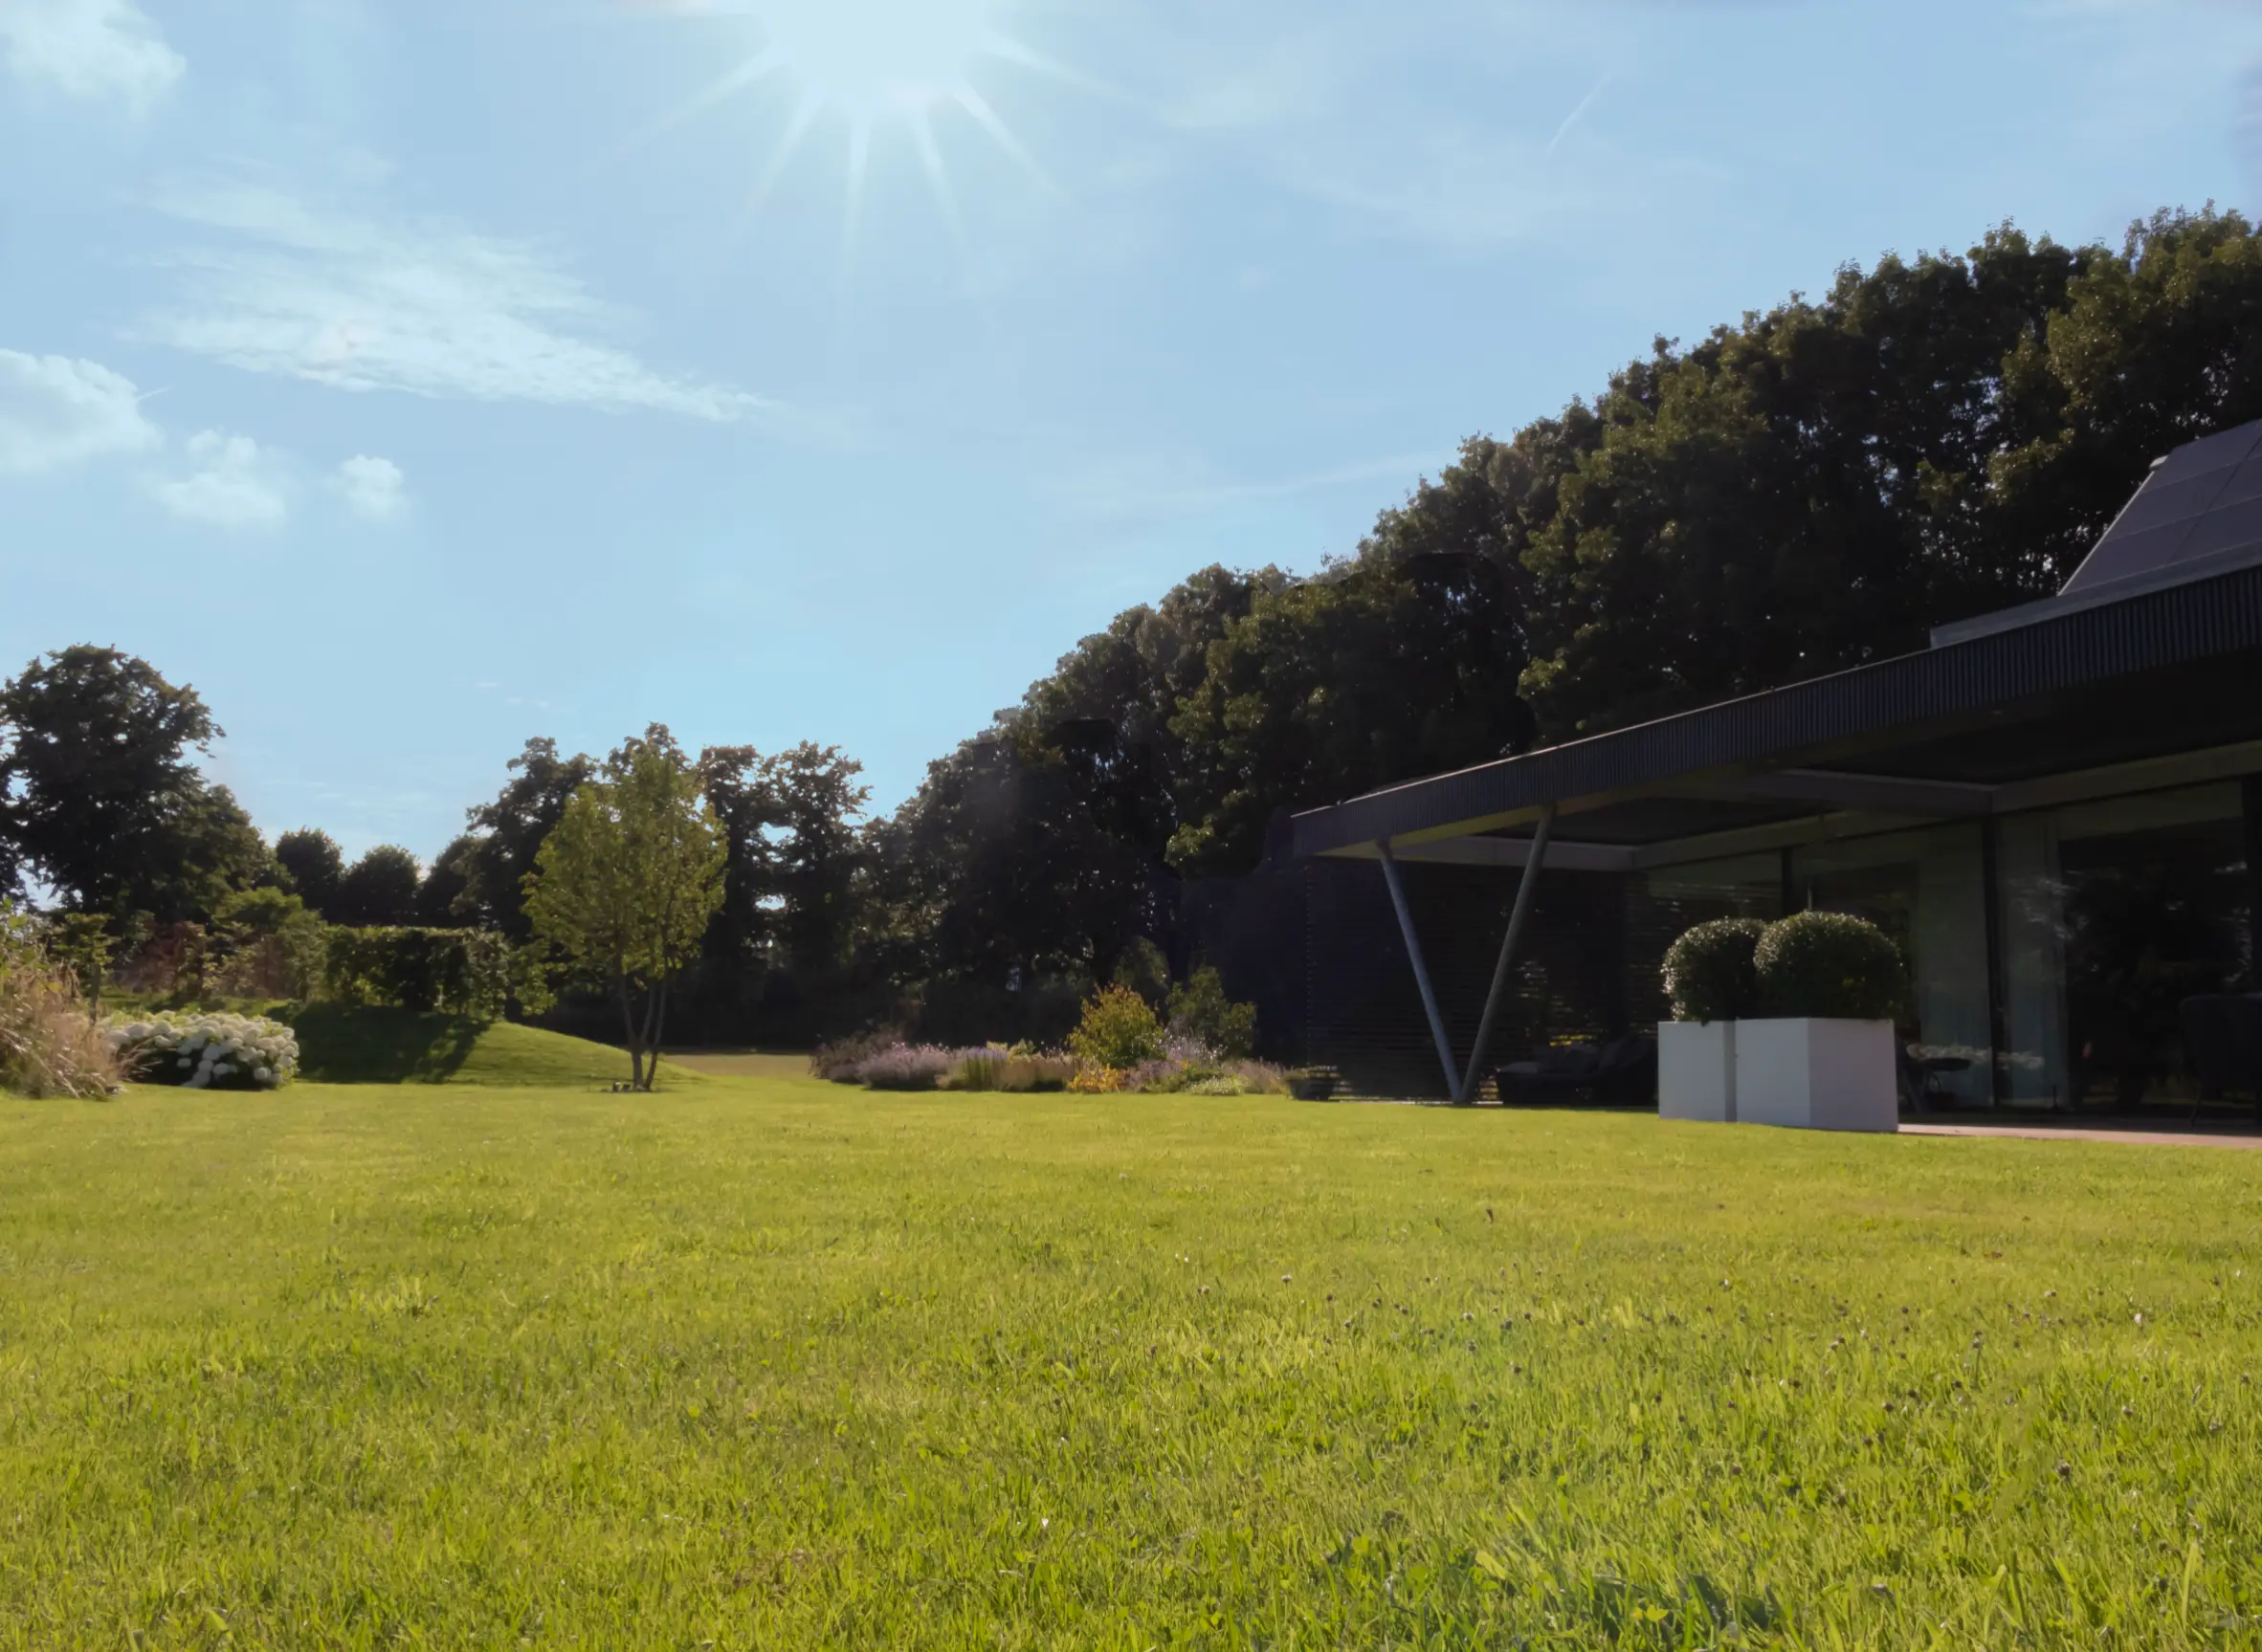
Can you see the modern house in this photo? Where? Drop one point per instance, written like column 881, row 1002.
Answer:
column 2056, row 810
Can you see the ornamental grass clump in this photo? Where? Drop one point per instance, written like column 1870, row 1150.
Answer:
column 48, row 1046
column 1710, row 974
column 206, row 1052
column 1830, row 966
column 978, row 1068
column 1009, row 1071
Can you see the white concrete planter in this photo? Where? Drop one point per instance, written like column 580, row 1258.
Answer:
column 1697, row 1071
column 1817, row 1075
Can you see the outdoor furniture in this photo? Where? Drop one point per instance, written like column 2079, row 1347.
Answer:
column 1623, row 1071
column 2222, row 1035
column 1932, row 1069
column 1556, row 1073
column 1626, row 1073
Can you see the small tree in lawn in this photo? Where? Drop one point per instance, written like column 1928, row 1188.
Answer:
column 81, row 942
column 627, row 882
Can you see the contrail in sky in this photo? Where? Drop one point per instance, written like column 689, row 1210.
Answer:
column 1572, row 119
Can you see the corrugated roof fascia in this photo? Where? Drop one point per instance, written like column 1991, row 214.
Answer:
column 2182, row 621
column 2097, row 596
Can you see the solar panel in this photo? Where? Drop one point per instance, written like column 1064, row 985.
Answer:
column 2203, row 499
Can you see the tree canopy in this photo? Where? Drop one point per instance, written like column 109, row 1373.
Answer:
column 378, row 890
column 100, row 799
column 508, row 833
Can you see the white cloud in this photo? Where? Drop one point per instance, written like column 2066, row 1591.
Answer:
column 373, row 488
column 422, row 307
column 55, row 410
column 240, row 484
column 91, row 49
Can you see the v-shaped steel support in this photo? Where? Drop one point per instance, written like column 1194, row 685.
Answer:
column 1461, row 1084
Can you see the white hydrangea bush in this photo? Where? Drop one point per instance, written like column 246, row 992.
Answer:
column 207, row 1051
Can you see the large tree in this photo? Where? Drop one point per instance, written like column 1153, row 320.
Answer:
column 1400, row 661
column 440, row 898
column 379, row 889
column 628, row 881
column 313, row 867
column 99, row 796
column 994, row 868
column 2152, row 349
column 1810, row 489
column 508, row 835
column 1038, row 845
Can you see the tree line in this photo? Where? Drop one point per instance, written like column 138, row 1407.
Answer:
column 1803, row 489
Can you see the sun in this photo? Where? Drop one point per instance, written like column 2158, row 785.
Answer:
column 871, row 64
column 874, row 57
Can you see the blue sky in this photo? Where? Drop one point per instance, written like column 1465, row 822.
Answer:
column 417, row 377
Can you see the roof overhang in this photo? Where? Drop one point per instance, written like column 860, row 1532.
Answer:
column 2151, row 689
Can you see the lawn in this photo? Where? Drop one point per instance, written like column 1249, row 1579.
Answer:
column 764, row 1362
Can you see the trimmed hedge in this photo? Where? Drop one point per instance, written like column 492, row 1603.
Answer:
column 467, row 972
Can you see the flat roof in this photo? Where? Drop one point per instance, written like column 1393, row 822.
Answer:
column 2150, row 674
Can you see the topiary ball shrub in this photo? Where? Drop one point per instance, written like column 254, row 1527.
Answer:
column 1830, row 964
column 1709, row 973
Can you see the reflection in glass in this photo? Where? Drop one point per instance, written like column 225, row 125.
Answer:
column 1926, row 890
column 2154, row 909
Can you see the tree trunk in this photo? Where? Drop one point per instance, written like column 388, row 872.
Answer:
column 659, row 1026
column 627, row 1016
column 651, row 1038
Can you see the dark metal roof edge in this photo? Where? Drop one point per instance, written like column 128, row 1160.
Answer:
column 2206, row 567
column 2133, row 631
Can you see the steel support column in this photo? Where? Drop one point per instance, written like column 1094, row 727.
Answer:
column 1414, row 951
column 1465, row 1091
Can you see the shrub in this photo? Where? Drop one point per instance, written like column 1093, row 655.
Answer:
column 207, row 1051
column 1199, row 1009
column 1709, row 973
column 1119, row 1031
column 48, row 1046
column 1095, row 1080
column 839, row 1059
column 906, row 1067
column 1830, row 963
column 1212, row 1075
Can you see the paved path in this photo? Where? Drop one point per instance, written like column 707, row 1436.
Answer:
column 2071, row 1133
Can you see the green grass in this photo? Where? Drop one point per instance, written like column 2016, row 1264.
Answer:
column 345, row 1045
column 771, row 1364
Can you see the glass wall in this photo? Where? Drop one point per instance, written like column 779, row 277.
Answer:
column 2113, row 913
column 1664, row 903
column 1747, row 886
column 2107, row 914
column 1927, row 889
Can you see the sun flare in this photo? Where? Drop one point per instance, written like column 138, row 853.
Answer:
column 870, row 65
column 872, row 57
